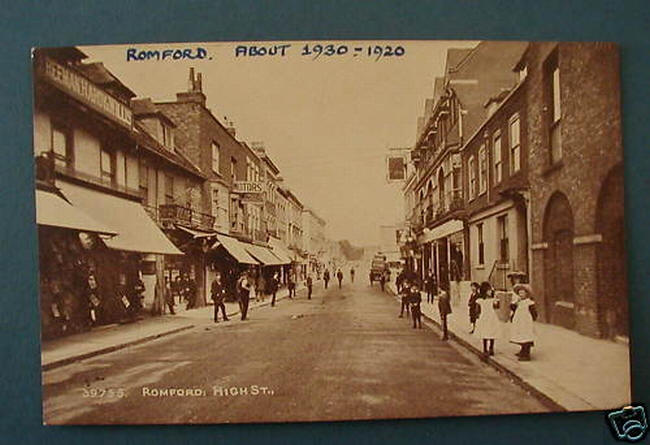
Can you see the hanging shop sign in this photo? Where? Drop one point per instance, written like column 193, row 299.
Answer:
column 248, row 187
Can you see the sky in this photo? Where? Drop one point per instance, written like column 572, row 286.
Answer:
column 326, row 122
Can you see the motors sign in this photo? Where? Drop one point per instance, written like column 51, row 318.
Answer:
column 248, row 187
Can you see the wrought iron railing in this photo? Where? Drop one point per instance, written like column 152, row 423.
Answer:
column 174, row 213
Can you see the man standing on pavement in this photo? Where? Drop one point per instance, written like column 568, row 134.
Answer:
column 415, row 301
column 310, row 284
column 326, row 277
column 352, row 274
column 243, row 289
column 273, row 284
column 291, row 285
column 169, row 297
column 190, row 291
column 444, row 308
column 218, row 293
column 339, row 276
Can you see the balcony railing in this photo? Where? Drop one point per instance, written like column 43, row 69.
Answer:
column 176, row 214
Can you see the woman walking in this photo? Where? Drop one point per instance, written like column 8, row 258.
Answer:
column 487, row 325
column 522, row 316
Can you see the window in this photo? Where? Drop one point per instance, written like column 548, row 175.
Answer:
column 61, row 146
column 107, row 166
column 168, row 139
column 552, row 76
column 498, row 163
column 515, row 144
column 215, row 157
column 523, row 72
column 472, row 177
column 169, row 189
column 481, row 245
column 143, row 175
column 502, row 227
column 215, row 202
column 233, row 169
column 482, row 169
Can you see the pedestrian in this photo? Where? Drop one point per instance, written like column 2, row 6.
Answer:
column 252, row 287
column 382, row 279
column 243, row 289
column 190, row 291
column 415, row 299
column 488, row 322
column 523, row 314
column 309, row 283
column 291, row 285
column 405, row 291
column 430, row 286
column 399, row 280
column 352, row 274
column 177, row 289
column 339, row 276
column 444, row 308
column 473, row 308
column 261, row 287
column 274, row 282
column 168, row 296
column 326, row 277
column 218, row 294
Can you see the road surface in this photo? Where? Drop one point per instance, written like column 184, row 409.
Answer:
column 342, row 355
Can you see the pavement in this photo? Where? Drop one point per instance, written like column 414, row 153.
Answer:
column 573, row 371
column 105, row 339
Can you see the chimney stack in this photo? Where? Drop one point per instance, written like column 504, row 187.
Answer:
column 194, row 93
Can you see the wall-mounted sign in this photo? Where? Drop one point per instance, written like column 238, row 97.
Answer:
column 87, row 92
column 396, row 167
column 246, row 187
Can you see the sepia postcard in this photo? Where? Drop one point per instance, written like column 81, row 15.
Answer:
column 297, row 231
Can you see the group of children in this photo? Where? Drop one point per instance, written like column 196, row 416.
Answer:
column 485, row 321
column 483, row 307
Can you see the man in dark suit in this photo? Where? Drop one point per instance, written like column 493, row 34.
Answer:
column 218, row 293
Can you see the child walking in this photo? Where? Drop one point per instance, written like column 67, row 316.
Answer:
column 473, row 307
column 487, row 324
column 523, row 314
column 415, row 302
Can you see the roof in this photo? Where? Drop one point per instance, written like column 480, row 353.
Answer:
column 148, row 142
column 455, row 56
column 64, row 53
column 98, row 74
column 144, row 107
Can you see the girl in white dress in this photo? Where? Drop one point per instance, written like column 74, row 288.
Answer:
column 487, row 325
column 523, row 315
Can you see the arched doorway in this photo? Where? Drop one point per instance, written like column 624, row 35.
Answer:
column 613, row 314
column 558, row 262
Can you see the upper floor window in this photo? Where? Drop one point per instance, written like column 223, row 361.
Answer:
column 61, row 146
column 515, row 144
column 168, row 136
column 143, row 178
column 107, row 166
column 471, row 166
column 554, row 105
column 498, row 158
column 169, row 189
column 233, row 169
column 482, row 169
column 215, row 157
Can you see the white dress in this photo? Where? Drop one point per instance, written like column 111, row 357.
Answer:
column 487, row 325
column 522, row 322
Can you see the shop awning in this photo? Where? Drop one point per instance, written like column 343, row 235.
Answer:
column 280, row 251
column 441, row 231
column 235, row 248
column 263, row 255
column 196, row 234
column 52, row 210
column 136, row 231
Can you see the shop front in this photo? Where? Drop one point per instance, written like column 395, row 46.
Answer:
column 229, row 257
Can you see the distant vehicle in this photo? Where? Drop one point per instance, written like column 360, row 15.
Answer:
column 377, row 267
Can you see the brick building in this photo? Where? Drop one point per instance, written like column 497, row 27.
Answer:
column 576, row 179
